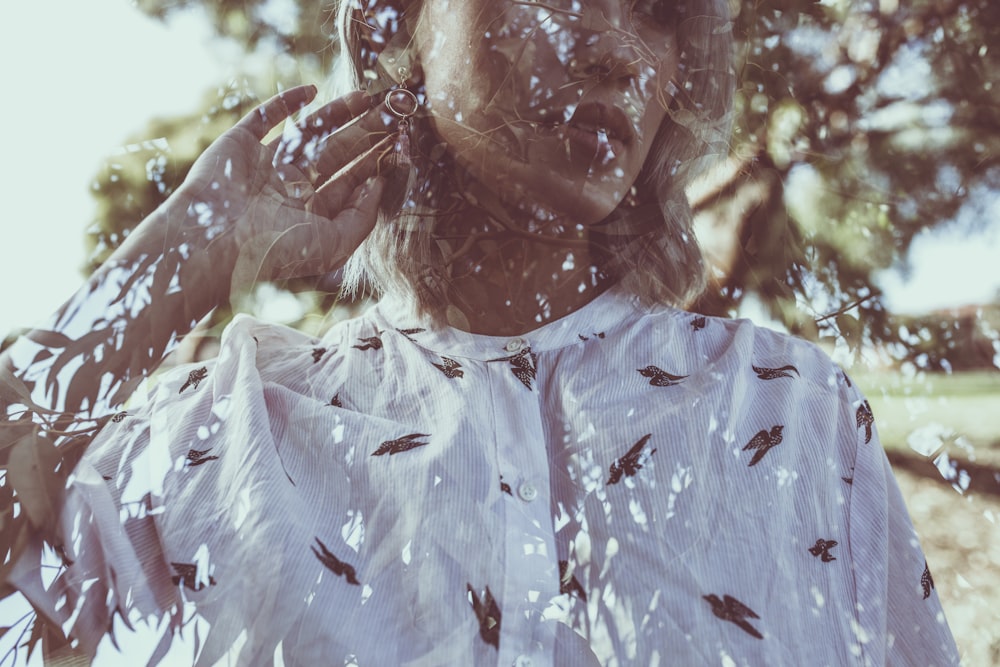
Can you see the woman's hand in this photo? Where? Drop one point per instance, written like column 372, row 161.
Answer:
column 296, row 206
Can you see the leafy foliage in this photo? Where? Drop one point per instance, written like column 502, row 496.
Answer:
column 860, row 126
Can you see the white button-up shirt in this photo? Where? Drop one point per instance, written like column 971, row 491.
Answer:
column 624, row 486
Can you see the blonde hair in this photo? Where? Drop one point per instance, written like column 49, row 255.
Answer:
column 651, row 250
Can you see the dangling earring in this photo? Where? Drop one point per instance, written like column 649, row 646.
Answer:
column 402, row 103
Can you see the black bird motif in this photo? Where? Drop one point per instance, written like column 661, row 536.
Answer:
column 632, row 462
column 449, row 367
column 369, row 343
column 318, row 353
column 403, row 444
column 196, row 457
column 119, row 416
column 846, row 379
column 822, row 549
column 698, row 323
column 599, row 334
column 568, row 583
column 194, row 379
column 775, row 373
column 849, row 480
column 926, row 581
column 659, row 377
column 505, row 487
column 762, row 443
column 408, row 333
column 866, row 418
column 334, row 564
column 732, row 610
column 187, row 574
column 335, row 401
column 488, row 614
column 522, row 365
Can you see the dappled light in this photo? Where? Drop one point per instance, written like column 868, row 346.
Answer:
column 540, row 333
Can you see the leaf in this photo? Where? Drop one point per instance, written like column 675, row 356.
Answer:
column 14, row 391
column 42, row 356
column 11, row 433
column 31, row 471
column 49, row 338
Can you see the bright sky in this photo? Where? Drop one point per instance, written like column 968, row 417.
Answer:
column 80, row 77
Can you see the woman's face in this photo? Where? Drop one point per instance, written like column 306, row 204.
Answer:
column 552, row 105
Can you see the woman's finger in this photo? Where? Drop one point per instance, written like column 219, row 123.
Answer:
column 331, row 195
column 334, row 135
column 340, row 148
column 265, row 117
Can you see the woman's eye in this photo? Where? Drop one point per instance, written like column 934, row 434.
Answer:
column 661, row 12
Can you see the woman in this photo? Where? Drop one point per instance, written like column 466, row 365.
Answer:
column 525, row 454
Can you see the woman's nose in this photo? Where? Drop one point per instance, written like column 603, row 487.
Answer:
column 605, row 55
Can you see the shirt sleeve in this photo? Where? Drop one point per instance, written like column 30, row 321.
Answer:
column 901, row 621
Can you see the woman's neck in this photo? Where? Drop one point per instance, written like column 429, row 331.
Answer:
column 517, row 270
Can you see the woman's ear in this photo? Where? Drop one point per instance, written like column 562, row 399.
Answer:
column 381, row 41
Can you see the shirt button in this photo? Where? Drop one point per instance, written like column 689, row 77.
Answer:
column 515, row 345
column 527, row 492
column 522, row 661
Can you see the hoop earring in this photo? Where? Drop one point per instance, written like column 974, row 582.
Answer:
column 403, row 104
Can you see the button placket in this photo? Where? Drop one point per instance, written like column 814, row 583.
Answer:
column 531, row 568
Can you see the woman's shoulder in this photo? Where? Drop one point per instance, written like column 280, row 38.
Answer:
column 741, row 343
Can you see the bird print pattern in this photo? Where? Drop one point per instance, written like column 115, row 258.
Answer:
column 522, row 364
column 698, row 323
column 403, row 444
column 659, row 377
column 762, row 443
column 334, row 564
column 632, row 462
column 450, row 368
column 194, row 378
column 488, row 614
column 369, row 343
column 197, row 457
column 865, row 419
column 409, row 333
column 926, row 581
column 642, row 460
column 732, row 610
column 775, row 373
column 822, row 550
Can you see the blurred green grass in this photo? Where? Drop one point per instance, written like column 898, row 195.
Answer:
column 924, row 413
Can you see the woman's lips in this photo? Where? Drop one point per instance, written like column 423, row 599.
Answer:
column 597, row 142
column 595, row 145
column 600, row 132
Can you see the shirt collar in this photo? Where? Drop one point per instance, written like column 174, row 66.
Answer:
column 609, row 310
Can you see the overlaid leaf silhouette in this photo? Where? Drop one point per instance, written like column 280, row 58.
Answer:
column 31, row 472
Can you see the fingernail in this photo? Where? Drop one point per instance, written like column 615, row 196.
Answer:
column 369, row 185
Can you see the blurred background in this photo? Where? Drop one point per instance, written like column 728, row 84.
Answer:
column 859, row 207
